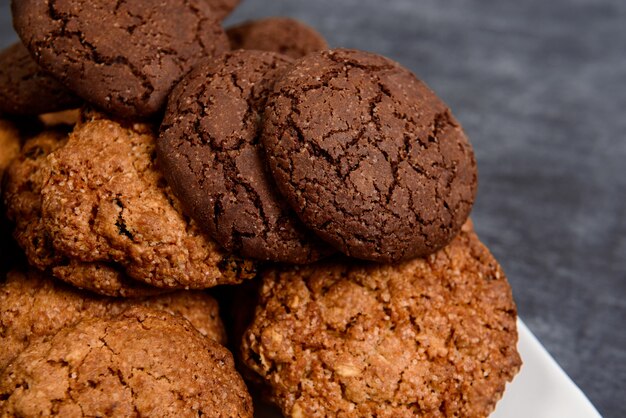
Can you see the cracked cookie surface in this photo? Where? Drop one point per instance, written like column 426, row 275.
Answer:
column 432, row 336
column 141, row 363
column 277, row 34
column 123, row 56
column 25, row 89
column 210, row 153
column 368, row 156
column 35, row 306
column 25, row 178
column 106, row 201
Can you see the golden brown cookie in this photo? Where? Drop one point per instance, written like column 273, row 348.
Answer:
column 67, row 117
column 35, row 306
column 22, row 196
column 428, row 337
column 105, row 201
column 277, row 34
column 141, row 363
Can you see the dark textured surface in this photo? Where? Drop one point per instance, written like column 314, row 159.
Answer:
column 124, row 59
column 210, row 154
column 540, row 88
column 368, row 156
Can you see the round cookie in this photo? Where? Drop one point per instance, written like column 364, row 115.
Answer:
column 428, row 337
column 277, row 34
column 25, row 89
column 124, row 58
column 34, row 306
column 141, row 363
column 368, row 156
column 223, row 8
column 106, row 201
column 22, row 197
column 209, row 151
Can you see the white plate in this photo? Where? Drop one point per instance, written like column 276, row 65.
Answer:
column 541, row 389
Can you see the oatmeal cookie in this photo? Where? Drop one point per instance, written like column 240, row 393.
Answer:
column 432, row 336
column 140, row 363
column 105, row 201
column 35, row 306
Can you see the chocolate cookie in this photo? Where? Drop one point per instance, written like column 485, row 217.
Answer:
column 368, row 156
column 105, row 201
column 223, row 8
column 34, row 306
column 210, row 153
column 428, row 337
column 141, row 363
column 22, row 196
column 125, row 58
column 277, row 34
column 25, row 89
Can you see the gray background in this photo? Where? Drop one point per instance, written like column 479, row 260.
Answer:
column 540, row 87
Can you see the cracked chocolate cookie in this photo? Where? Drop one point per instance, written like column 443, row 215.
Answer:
column 25, row 89
column 432, row 336
column 277, row 34
column 25, row 178
column 368, row 156
column 35, row 306
column 123, row 57
column 210, row 153
column 141, row 363
column 105, row 201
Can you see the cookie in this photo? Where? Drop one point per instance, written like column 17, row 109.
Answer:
column 209, row 151
column 34, row 306
column 25, row 89
column 66, row 117
column 124, row 58
column 368, row 156
column 106, row 201
column 432, row 336
column 277, row 34
column 141, row 363
column 223, row 8
column 22, row 197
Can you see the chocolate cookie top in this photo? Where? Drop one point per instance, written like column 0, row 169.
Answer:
column 105, row 201
column 141, row 363
column 223, row 8
column 428, row 337
column 25, row 178
column 368, row 156
column 277, row 34
column 210, row 153
column 25, row 89
column 124, row 58
column 34, row 306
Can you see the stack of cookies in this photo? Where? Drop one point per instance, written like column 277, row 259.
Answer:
column 156, row 166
